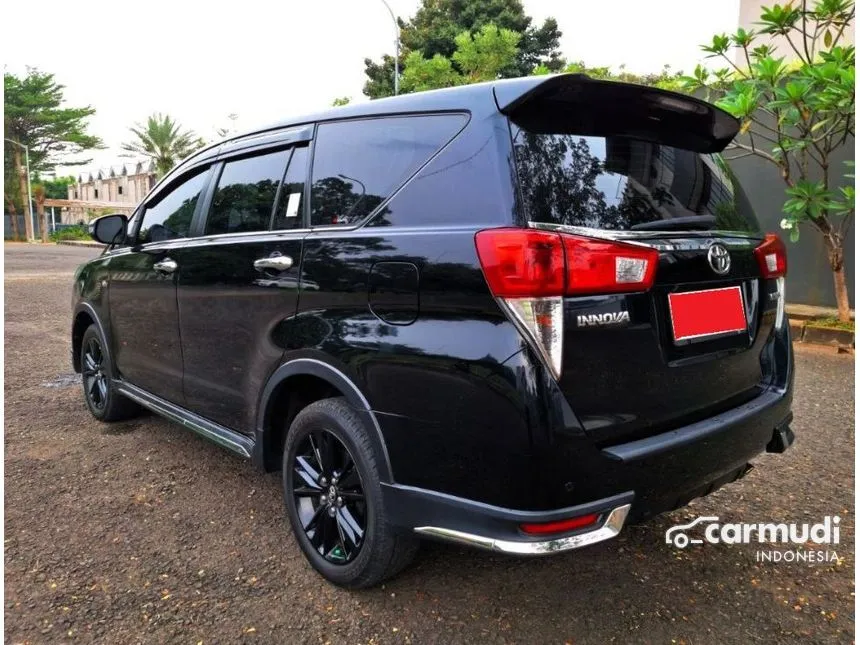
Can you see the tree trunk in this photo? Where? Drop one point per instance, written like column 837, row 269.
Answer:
column 840, row 288
column 13, row 217
column 841, row 294
column 43, row 219
column 22, row 182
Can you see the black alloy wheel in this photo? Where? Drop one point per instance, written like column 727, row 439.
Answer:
column 94, row 374
column 329, row 497
column 103, row 401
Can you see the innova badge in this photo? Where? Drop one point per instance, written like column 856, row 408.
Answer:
column 719, row 259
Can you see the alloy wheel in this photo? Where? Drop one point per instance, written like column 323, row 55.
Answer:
column 329, row 497
column 95, row 378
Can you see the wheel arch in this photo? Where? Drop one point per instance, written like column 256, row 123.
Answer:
column 340, row 383
column 85, row 315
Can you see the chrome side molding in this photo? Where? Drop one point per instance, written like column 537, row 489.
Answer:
column 224, row 437
column 611, row 527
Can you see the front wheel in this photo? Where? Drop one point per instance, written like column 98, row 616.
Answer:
column 334, row 498
column 103, row 401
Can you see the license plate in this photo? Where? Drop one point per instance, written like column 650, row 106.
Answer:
column 698, row 315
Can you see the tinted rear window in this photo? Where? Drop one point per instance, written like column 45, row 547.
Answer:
column 621, row 183
column 358, row 164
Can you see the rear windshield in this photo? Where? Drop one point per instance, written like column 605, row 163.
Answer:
column 625, row 184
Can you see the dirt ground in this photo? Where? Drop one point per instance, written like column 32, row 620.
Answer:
column 142, row 532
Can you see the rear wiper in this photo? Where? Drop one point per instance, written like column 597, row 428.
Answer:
column 696, row 222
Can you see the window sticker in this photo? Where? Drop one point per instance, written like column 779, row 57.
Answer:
column 293, row 205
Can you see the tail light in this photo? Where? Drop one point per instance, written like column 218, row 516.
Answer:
column 530, row 271
column 773, row 262
column 599, row 266
column 772, row 258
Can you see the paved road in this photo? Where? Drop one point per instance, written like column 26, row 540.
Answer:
column 142, row 532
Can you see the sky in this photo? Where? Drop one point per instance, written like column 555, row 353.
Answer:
column 266, row 61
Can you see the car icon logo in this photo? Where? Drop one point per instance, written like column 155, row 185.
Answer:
column 676, row 536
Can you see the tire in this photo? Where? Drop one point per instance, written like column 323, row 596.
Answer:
column 103, row 401
column 329, row 506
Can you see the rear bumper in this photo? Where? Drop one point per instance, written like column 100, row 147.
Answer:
column 453, row 519
column 627, row 482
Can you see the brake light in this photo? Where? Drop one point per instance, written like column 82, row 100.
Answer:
column 530, row 271
column 561, row 526
column 520, row 262
column 772, row 257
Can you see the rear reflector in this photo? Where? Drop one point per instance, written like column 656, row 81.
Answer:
column 771, row 256
column 561, row 526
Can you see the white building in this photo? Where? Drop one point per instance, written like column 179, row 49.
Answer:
column 124, row 183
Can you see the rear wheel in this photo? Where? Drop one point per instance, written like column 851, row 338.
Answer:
column 334, row 499
column 103, row 401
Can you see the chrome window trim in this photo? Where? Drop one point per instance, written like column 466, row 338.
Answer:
column 611, row 527
column 249, row 236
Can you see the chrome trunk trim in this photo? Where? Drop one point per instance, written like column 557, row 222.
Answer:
column 660, row 240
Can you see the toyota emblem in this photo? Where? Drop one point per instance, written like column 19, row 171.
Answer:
column 719, row 259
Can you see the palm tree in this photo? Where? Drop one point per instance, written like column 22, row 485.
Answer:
column 163, row 141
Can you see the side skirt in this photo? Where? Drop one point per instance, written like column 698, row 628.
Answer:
column 224, row 437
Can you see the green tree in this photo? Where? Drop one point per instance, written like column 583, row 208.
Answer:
column 163, row 141
column 437, row 23
column 57, row 188
column 485, row 55
column 479, row 57
column 342, row 100
column 421, row 73
column 795, row 114
column 34, row 114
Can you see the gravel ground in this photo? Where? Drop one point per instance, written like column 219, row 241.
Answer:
column 143, row 532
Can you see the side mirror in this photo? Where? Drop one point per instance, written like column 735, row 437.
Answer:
column 109, row 229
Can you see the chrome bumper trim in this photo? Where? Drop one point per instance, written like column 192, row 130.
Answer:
column 611, row 526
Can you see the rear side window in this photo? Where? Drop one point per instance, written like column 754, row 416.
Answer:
column 358, row 164
column 290, row 212
column 622, row 183
column 246, row 193
column 170, row 217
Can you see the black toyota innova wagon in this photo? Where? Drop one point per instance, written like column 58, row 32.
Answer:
column 517, row 315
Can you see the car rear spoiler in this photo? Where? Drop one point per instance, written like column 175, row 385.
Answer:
column 578, row 104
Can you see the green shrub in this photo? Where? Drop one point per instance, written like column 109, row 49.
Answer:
column 71, row 233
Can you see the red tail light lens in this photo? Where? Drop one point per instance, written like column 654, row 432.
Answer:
column 521, row 263
column 561, row 526
column 598, row 266
column 772, row 257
